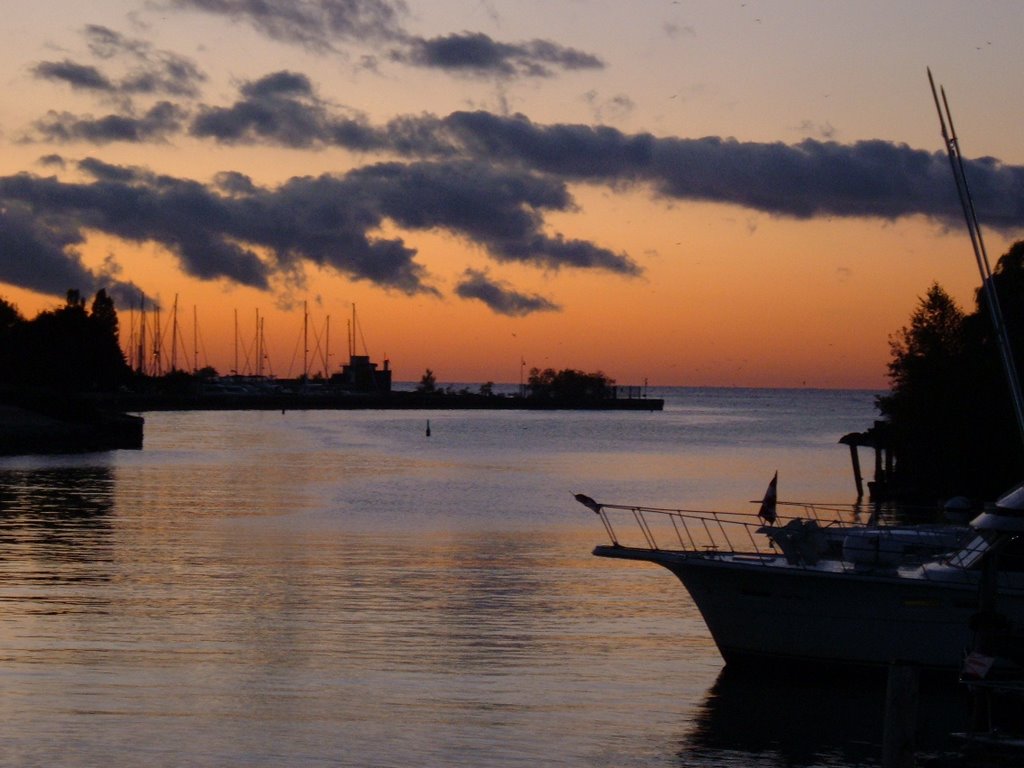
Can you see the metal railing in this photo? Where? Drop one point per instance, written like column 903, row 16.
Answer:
column 819, row 532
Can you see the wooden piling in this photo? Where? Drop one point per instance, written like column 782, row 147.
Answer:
column 901, row 702
column 857, row 477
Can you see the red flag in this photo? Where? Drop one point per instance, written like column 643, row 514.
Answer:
column 767, row 511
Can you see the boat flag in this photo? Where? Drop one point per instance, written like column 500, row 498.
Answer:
column 587, row 502
column 976, row 666
column 767, row 511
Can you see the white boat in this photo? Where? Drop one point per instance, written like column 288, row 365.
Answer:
column 820, row 591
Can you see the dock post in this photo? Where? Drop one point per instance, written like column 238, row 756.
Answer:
column 857, row 477
column 901, row 700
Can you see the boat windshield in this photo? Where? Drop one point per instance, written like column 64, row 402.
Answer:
column 971, row 553
column 1010, row 551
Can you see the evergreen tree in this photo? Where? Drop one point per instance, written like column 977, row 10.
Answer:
column 949, row 406
column 65, row 350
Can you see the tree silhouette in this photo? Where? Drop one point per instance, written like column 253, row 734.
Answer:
column 428, row 384
column 949, row 406
column 62, row 351
column 569, row 384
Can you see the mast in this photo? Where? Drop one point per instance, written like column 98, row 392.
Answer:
column 259, row 351
column 131, row 334
column 195, row 339
column 327, row 349
column 236, row 341
column 305, row 340
column 142, row 334
column 978, row 244
column 263, row 344
column 174, row 336
column 158, row 367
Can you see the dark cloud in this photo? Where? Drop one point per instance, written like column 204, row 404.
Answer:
column 314, row 24
column 136, row 206
column 283, row 109
column 478, row 54
column 83, row 77
column 39, row 252
column 320, row 25
column 149, row 70
column 53, row 159
column 498, row 209
column 499, row 296
column 156, row 124
column 235, row 183
column 237, row 231
column 145, row 71
column 103, row 171
column 813, row 178
column 803, row 180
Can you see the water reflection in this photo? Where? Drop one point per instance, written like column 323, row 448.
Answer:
column 323, row 589
column 802, row 718
column 55, row 516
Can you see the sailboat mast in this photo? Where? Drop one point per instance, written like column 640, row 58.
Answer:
column 131, row 334
column 158, row 367
column 195, row 339
column 327, row 349
column 174, row 336
column 980, row 255
column 259, row 352
column 142, row 335
column 263, row 344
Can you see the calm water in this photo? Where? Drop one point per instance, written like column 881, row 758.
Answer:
column 338, row 589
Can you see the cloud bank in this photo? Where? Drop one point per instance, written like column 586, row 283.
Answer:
column 486, row 178
column 325, row 25
column 812, row 178
column 237, row 231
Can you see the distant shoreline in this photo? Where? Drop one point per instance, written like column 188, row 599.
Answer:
column 396, row 400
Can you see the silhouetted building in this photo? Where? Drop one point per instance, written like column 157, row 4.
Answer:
column 361, row 375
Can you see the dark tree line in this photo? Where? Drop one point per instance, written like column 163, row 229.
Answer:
column 949, row 408
column 569, row 384
column 65, row 351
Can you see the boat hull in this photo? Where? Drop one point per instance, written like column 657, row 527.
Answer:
column 759, row 613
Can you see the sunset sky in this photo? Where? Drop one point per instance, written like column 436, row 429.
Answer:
column 689, row 193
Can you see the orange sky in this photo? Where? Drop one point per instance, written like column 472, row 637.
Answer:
column 733, row 284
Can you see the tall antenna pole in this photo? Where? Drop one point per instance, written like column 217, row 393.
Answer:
column 977, row 243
